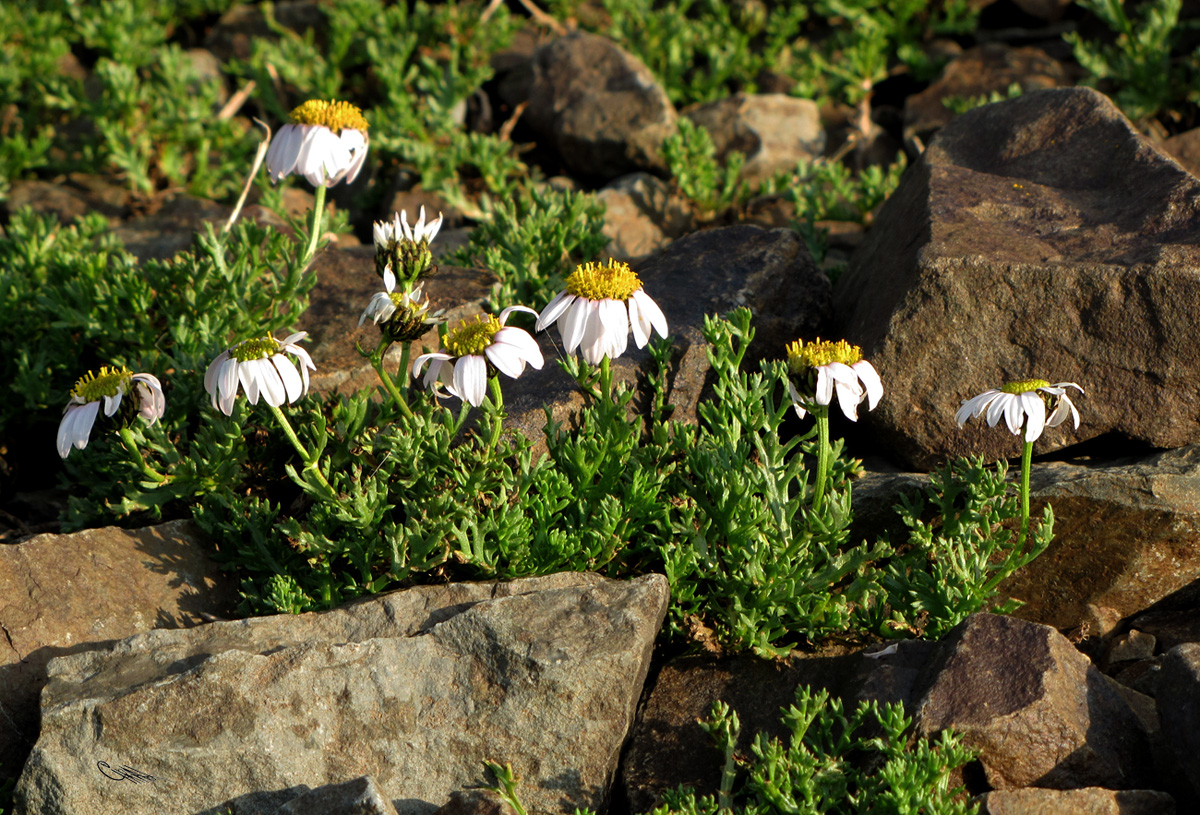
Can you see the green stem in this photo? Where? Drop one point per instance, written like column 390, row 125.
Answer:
column 497, row 400
column 315, row 234
column 824, row 454
column 1026, row 465
column 147, row 470
column 606, row 378
column 310, row 461
column 386, row 379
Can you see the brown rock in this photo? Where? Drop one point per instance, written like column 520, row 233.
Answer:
column 642, row 214
column 61, row 594
column 601, row 108
column 1179, row 711
column 773, row 131
column 1086, row 801
column 1039, row 712
column 1037, row 237
column 1185, row 148
column 360, row 796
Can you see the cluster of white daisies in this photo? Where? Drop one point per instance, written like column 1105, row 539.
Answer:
column 326, row 143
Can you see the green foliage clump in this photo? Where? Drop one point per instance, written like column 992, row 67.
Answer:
column 691, row 159
column 828, row 765
column 955, row 561
column 1139, row 63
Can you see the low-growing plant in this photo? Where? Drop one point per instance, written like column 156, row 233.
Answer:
column 962, row 104
column 691, row 159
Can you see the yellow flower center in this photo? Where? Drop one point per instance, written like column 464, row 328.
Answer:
column 93, row 386
column 472, row 336
column 333, row 115
column 259, row 348
column 611, row 281
column 804, row 356
column 1025, row 386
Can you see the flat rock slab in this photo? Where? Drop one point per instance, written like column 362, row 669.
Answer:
column 1086, row 801
column 1041, row 237
column 60, row 594
column 416, row 688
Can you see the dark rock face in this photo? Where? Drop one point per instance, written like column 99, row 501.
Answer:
column 1040, row 237
column 1179, row 710
column 601, row 108
column 1039, row 711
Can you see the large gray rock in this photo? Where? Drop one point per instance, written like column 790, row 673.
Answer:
column 1040, row 237
column 600, row 107
column 415, row 688
column 359, row 796
column 1038, row 710
column 60, row 594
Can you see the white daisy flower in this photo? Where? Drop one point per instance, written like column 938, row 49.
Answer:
column 823, row 368
column 261, row 368
column 399, row 246
column 462, row 365
column 1023, row 404
column 108, row 386
column 326, row 142
column 597, row 309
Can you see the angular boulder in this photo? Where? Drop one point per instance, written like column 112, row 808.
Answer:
column 1038, row 710
column 415, row 688
column 1041, row 237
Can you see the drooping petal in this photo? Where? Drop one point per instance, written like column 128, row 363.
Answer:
column 849, row 396
column 248, row 376
column 502, row 318
column 76, row 427
column 152, row 403
column 470, row 379
column 228, row 384
column 797, row 400
column 290, row 377
column 870, row 379
column 824, row 394
column 1035, row 412
column 507, row 358
column 997, row 407
column 638, row 323
column 650, row 310
column 283, row 152
column 419, row 362
column 1014, row 412
column 614, row 316
column 554, row 309
column 1062, row 410
column 525, row 344
column 573, row 325
column 113, row 403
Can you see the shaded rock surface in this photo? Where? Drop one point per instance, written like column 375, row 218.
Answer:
column 600, row 107
column 359, row 796
column 1038, row 710
column 1179, row 709
column 60, row 594
column 415, row 688
column 642, row 214
column 1036, row 237
column 1086, row 801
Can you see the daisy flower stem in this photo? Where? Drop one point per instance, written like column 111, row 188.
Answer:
column 1026, row 464
column 824, row 454
column 386, row 379
column 606, row 378
column 131, row 446
column 315, row 234
column 497, row 400
column 310, row 461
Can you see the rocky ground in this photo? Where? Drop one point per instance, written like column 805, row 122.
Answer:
column 1043, row 236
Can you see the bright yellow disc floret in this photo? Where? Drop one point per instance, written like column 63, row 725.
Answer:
column 603, row 281
column 333, row 115
column 471, row 336
column 804, row 356
column 92, row 386
column 1024, row 386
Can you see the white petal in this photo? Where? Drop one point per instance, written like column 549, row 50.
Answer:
column 503, row 316
column 76, row 427
column 507, row 359
column 870, row 378
column 650, row 310
column 615, row 316
column 248, row 376
column 554, row 309
column 228, row 385
column 152, row 402
column 419, row 362
column 849, row 397
column 997, row 407
column 824, row 393
column 524, row 342
column 284, row 149
column 112, row 403
column 639, row 323
column 470, row 379
column 210, row 375
column 290, row 377
column 573, row 325
column 1035, row 411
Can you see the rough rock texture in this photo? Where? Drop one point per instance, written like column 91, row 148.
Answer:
column 1126, row 535
column 773, row 131
column 359, row 796
column 1037, row 237
column 60, row 594
column 979, row 72
column 415, row 688
column 668, row 748
column 1185, row 148
column 1179, row 709
column 1086, row 801
column 601, row 108
column 1040, row 713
